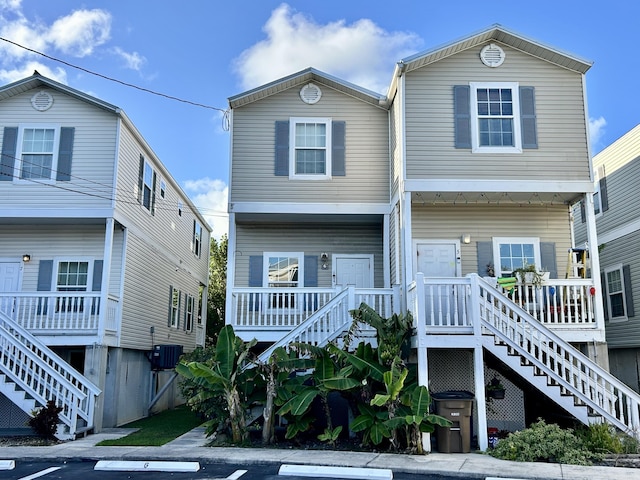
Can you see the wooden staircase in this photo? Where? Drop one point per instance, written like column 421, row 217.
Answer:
column 553, row 366
column 31, row 374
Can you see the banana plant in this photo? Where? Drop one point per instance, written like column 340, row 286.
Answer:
column 416, row 405
column 224, row 376
column 324, row 379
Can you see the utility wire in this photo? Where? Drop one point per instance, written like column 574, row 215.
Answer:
column 153, row 92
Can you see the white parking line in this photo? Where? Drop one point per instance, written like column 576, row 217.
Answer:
column 236, row 475
column 139, row 466
column 41, row 474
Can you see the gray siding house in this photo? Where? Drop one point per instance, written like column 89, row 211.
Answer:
column 103, row 258
column 616, row 205
column 416, row 200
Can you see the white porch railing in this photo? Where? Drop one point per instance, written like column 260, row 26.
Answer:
column 44, row 376
column 566, row 304
column 57, row 313
column 565, row 366
column 286, row 308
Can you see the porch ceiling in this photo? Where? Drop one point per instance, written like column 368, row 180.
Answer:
column 495, row 198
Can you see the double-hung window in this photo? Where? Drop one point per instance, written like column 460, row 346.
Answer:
column 495, row 118
column 188, row 312
column 615, row 298
column 283, row 270
column 72, row 276
column 196, row 245
column 310, row 148
column 515, row 252
column 147, row 185
column 174, row 308
column 38, row 147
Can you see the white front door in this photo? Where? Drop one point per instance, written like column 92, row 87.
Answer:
column 356, row 270
column 440, row 259
column 9, row 282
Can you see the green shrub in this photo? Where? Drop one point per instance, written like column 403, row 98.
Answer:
column 605, row 439
column 545, row 443
column 45, row 420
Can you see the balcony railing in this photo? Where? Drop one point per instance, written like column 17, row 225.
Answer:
column 58, row 313
column 286, row 308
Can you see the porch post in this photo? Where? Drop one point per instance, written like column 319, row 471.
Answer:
column 106, row 272
column 478, row 362
column 419, row 321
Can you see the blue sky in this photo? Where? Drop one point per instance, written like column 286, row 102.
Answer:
column 205, row 51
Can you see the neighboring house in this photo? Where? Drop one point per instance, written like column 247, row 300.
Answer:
column 103, row 262
column 467, row 167
column 617, row 209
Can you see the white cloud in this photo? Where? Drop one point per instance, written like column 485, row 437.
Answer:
column 10, row 5
column 361, row 53
column 596, row 130
column 134, row 60
column 210, row 196
column 26, row 70
column 80, row 32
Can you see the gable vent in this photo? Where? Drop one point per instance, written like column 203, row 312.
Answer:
column 42, row 101
column 310, row 94
column 492, row 55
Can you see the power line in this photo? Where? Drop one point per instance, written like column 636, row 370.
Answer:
column 153, row 92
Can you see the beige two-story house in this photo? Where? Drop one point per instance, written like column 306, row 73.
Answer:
column 103, row 262
column 420, row 199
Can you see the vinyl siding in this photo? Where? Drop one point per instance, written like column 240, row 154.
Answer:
column 312, row 240
column 562, row 139
column 146, row 297
column 624, row 251
column 549, row 223
column 92, row 162
column 367, row 151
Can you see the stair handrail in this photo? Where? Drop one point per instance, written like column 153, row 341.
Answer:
column 623, row 402
column 78, row 386
column 310, row 322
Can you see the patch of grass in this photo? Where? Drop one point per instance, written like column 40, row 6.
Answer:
column 158, row 429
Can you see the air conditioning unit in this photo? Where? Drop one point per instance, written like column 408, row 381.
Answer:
column 165, row 356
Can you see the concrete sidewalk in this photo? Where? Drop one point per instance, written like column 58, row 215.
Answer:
column 191, row 447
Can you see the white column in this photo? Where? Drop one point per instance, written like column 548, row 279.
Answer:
column 106, row 272
column 594, row 258
column 478, row 363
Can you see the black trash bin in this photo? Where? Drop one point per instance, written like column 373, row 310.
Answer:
column 456, row 406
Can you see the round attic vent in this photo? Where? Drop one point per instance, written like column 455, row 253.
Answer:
column 492, row 55
column 310, row 94
column 42, row 101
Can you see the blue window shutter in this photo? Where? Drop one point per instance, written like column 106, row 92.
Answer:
column 97, row 276
column 282, row 149
column 604, row 199
column 628, row 293
column 603, row 284
column 153, row 195
column 583, row 213
column 65, row 152
column 462, row 116
column 170, row 305
column 485, row 257
column 45, row 272
column 548, row 258
column 255, row 278
column 9, row 150
column 338, row 163
column 141, row 180
column 311, row 280
column 528, row 117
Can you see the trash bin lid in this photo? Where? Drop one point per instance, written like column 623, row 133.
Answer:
column 453, row 394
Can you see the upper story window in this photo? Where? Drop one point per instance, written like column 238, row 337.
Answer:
column 495, row 117
column 515, row 252
column 147, row 185
column 163, row 188
column 310, row 148
column 196, row 244
column 597, row 203
column 38, row 153
column 495, row 113
column 615, row 293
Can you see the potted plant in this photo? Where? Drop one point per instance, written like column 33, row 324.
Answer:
column 495, row 389
column 529, row 274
